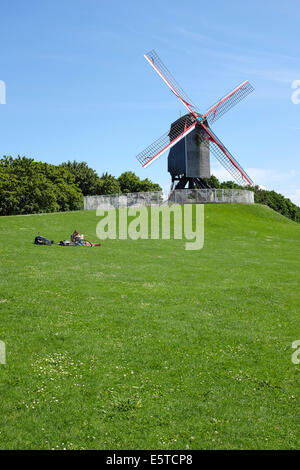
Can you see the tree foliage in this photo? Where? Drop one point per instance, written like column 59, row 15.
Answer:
column 277, row 202
column 90, row 183
column 130, row 183
column 109, row 184
column 28, row 187
column 86, row 178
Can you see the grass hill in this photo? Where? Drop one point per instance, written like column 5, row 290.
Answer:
column 141, row 344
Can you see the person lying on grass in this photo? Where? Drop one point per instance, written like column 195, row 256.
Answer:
column 79, row 240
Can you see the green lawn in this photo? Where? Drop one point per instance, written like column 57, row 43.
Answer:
column 143, row 345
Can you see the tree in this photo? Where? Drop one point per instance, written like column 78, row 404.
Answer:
column 147, row 185
column 130, row 183
column 108, row 184
column 86, row 178
column 229, row 185
column 28, row 187
column 277, row 202
column 213, row 182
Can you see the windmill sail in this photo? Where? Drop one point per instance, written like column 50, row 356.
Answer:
column 155, row 61
column 167, row 141
column 223, row 155
column 228, row 102
column 185, row 172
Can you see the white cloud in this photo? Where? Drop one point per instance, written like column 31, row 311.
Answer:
column 263, row 177
column 295, row 197
column 281, row 181
column 221, row 173
column 267, row 177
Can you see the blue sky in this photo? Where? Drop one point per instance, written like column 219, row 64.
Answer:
column 78, row 86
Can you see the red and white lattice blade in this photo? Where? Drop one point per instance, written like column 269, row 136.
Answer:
column 155, row 62
column 165, row 142
column 228, row 101
column 223, row 155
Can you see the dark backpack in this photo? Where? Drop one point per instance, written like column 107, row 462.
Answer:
column 42, row 241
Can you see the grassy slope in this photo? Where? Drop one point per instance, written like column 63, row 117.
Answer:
column 141, row 344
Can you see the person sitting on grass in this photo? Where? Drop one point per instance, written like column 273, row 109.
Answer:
column 79, row 240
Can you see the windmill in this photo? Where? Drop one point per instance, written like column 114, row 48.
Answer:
column 190, row 140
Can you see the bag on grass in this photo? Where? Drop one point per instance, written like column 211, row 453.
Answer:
column 66, row 243
column 42, row 241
